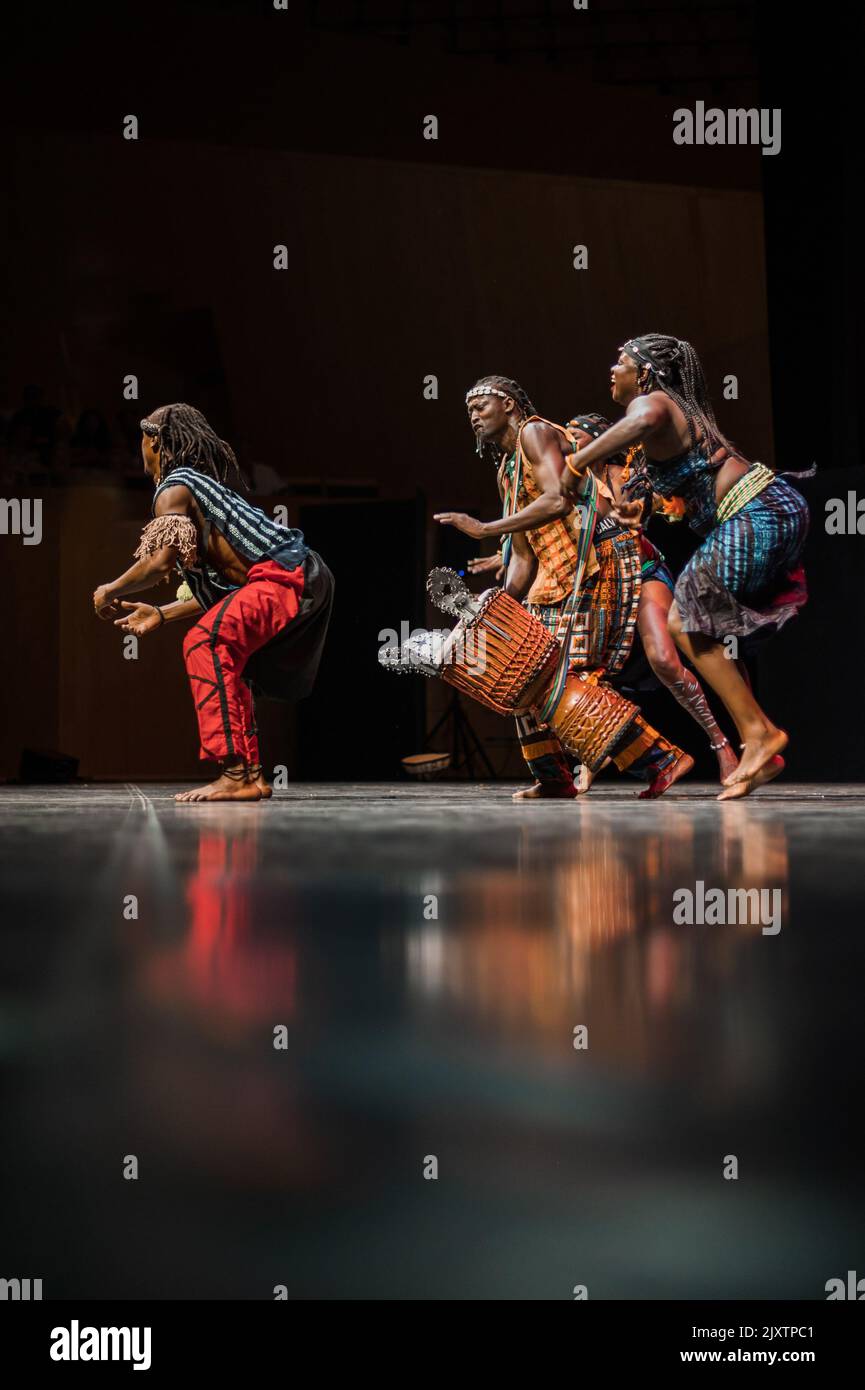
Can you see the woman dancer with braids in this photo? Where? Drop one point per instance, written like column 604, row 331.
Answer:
column 266, row 596
column 541, row 556
column 746, row 579
column 656, row 594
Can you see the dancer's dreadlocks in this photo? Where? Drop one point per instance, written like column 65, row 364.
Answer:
column 187, row 441
column 502, row 385
column 675, row 369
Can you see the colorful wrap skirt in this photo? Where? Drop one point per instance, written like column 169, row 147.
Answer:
column 606, row 607
column 746, row 579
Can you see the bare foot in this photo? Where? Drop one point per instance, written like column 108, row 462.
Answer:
column 223, row 789
column 768, row 772
column 665, row 779
column 583, row 779
column 263, row 785
column 756, row 753
column 727, row 761
column 542, row 790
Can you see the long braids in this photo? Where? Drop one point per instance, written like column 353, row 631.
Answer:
column 510, row 387
column 675, row 369
column 188, row 441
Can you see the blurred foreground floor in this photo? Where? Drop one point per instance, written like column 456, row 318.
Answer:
column 428, row 952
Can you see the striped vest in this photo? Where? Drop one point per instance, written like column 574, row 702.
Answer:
column 249, row 531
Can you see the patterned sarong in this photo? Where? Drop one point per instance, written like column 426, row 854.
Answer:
column 606, row 607
column 746, row 579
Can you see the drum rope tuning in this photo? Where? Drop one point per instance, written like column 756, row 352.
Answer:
column 519, row 669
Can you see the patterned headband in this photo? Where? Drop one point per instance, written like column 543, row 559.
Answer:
column 589, row 426
column 148, row 426
column 646, row 358
column 488, row 391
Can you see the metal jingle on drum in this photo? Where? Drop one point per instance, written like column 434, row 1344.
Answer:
column 420, row 654
column 449, row 592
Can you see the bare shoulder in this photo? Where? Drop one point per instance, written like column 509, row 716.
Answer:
column 654, row 409
column 538, row 436
column 174, row 499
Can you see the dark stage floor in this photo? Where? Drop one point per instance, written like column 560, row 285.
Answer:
column 411, row 1035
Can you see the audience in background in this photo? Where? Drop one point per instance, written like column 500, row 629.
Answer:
column 40, row 444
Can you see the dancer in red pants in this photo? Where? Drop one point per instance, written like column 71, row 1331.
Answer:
column 266, row 596
column 217, row 649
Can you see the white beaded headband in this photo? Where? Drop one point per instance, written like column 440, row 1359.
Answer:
column 487, row 391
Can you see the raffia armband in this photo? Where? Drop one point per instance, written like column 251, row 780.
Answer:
column 173, row 530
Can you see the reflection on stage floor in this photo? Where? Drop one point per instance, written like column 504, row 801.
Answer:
column 286, row 1011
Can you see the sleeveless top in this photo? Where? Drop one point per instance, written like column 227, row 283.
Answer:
column 250, row 532
column 692, row 477
column 554, row 544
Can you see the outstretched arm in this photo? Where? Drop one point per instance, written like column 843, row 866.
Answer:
column 640, row 421
column 541, row 445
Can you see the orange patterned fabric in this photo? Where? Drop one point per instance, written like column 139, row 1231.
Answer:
column 555, row 544
column 606, row 607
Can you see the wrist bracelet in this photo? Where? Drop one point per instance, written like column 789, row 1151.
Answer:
column 577, row 472
column 161, row 614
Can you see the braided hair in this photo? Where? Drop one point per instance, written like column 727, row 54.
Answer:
column 675, row 369
column 188, row 441
column 511, row 388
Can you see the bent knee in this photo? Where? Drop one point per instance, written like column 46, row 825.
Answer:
column 194, row 638
column 667, row 668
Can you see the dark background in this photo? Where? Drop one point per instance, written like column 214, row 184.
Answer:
column 406, row 257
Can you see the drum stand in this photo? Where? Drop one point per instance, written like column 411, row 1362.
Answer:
column 465, row 744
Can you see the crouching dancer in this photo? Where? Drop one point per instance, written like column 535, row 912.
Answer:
column 261, row 596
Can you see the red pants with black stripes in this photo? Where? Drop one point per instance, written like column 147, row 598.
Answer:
column 218, row 647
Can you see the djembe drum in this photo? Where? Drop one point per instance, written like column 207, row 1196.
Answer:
column 501, row 656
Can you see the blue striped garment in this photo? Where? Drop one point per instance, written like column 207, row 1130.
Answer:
column 250, row 532
column 690, row 476
column 746, row 579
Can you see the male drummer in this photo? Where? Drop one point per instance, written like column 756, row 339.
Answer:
column 540, row 555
